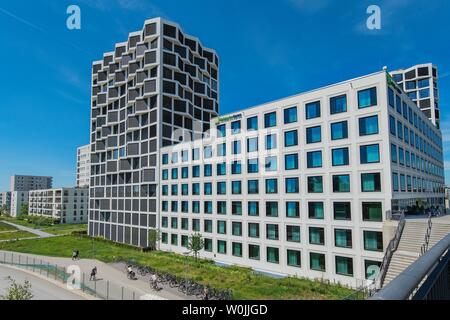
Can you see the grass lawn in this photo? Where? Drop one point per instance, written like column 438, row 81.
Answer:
column 19, row 222
column 244, row 283
column 60, row 229
column 6, row 227
column 16, row 235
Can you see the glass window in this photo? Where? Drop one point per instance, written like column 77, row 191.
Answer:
column 292, row 185
column 293, row 258
column 368, row 126
column 340, row 157
column 410, row 85
column 342, row 210
column 424, row 83
column 395, row 182
column 290, row 138
column 252, row 144
column 236, row 187
column 221, row 227
column 367, row 98
column 175, row 189
column 221, row 188
column 271, row 164
column 208, row 152
column 293, row 233
column 165, row 159
column 313, row 134
column 338, row 104
column 237, row 249
column 271, row 141
column 236, row 127
column 291, row 161
column 253, row 186
column 252, row 165
column 253, row 252
column 165, row 190
column 270, row 120
column 272, row 209
column 315, row 184
column 236, row 147
column 252, row 123
column 253, row 230
column 221, row 169
column 196, row 171
column 236, row 208
column 317, row 261
column 208, row 245
column 316, row 236
column 391, row 97
column 292, row 209
column 290, row 115
column 195, row 154
column 339, row 130
column 236, row 167
column 343, row 238
column 272, row 231
column 208, row 170
column 341, row 183
column 184, row 190
column 314, row 159
column 221, row 246
column 273, row 255
column 165, row 174
column 174, row 173
column 370, row 182
column 253, row 208
column 392, row 127
column 369, row 154
column 373, row 241
column 221, row 150
column 315, row 210
column 372, row 211
column 344, row 266
column 394, row 153
column 208, row 209
column 221, row 131
column 271, row 186
column 424, row 93
column 312, row 110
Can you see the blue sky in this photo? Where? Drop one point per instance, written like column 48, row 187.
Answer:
column 268, row 50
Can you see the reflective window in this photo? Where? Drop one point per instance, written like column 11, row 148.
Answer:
column 312, row 110
column 369, row 154
column 313, row 134
column 339, row 130
column 367, row 98
column 338, row 104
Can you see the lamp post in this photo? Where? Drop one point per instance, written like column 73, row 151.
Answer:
column 186, row 254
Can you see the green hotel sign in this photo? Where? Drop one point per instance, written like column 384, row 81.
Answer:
column 221, row 120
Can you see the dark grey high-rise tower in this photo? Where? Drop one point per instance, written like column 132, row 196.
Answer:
column 159, row 81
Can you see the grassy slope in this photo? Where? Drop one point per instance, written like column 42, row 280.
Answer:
column 57, row 229
column 6, row 227
column 242, row 281
column 16, row 235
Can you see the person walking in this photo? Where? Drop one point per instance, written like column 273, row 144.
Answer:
column 93, row 274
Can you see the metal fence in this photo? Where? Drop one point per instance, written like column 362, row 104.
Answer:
column 98, row 288
column 426, row 279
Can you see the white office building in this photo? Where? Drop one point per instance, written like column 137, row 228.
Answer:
column 68, row 205
column 83, row 166
column 303, row 186
column 420, row 84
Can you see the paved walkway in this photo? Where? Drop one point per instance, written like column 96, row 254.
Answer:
column 111, row 278
column 37, row 232
column 42, row 289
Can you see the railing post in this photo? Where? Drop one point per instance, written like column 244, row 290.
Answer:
column 34, row 263
column 107, row 290
column 122, row 293
column 48, row 267
column 40, row 267
column 82, row 284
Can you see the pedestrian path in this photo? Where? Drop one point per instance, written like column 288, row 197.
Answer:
column 37, row 232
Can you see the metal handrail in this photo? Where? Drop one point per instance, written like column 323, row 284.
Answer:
column 405, row 284
column 426, row 243
column 391, row 248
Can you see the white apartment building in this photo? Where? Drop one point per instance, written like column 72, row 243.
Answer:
column 303, row 185
column 420, row 84
column 158, row 83
column 68, row 205
column 83, row 166
column 5, row 199
column 21, row 184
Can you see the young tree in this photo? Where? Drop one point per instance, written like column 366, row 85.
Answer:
column 196, row 243
column 154, row 236
column 24, row 208
column 18, row 291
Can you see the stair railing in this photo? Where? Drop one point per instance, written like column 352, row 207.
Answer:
column 426, row 242
column 391, row 248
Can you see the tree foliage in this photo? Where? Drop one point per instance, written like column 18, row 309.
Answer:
column 153, row 238
column 18, row 291
column 196, row 243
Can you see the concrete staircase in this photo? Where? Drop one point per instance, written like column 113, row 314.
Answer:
column 438, row 232
column 408, row 250
column 411, row 241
